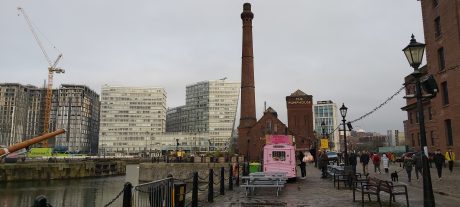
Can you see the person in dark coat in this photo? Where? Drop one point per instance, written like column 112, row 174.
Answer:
column 408, row 165
column 417, row 158
column 323, row 161
column 364, row 159
column 353, row 162
column 302, row 165
column 439, row 160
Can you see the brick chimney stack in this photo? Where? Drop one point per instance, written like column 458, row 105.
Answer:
column 248, row 103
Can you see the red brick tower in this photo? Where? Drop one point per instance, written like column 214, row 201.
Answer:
column 248, row 100
column 300, row 118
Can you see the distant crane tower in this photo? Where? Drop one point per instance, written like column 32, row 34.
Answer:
column 51, row 69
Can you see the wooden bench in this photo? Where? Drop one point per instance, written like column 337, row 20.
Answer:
column 264, row 180
column 374, row 186
column 393, row 190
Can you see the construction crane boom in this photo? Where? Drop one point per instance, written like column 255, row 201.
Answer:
column 51, row 70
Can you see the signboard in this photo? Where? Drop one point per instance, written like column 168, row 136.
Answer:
column 278, row 139
column 324, row 143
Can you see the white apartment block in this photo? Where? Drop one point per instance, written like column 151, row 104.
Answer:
column 327, row 112
column 210, row 107
column 130, row 118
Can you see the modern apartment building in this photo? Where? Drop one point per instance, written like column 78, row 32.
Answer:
column 130, row 118
column 77, row 112
column 210, row 107
column 14, row 102
column 22, row 116
column 394, row 137
column 327, row 112
column 441, row 22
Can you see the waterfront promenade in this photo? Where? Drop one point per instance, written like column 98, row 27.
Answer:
column 314, row 191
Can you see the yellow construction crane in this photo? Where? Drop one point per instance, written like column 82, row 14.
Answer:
column 51, row 70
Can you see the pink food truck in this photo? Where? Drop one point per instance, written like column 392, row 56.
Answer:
column 279, row 155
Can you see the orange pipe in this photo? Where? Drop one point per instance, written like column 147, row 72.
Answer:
column 29, row 142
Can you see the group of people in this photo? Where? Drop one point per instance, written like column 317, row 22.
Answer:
column 410, row 162
column 439, row 159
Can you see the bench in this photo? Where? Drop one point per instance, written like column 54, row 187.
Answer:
column 374, row 186
column 393, row 190
column 264, row 180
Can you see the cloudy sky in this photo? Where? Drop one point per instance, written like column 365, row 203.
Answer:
column 345, row 51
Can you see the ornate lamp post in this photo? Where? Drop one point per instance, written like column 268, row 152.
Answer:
column 414, row 54
column 343, row 112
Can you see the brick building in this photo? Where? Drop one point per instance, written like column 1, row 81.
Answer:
column 300, row 118
column 441, row 22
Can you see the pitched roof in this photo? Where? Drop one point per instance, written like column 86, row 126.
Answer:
column 298, row 93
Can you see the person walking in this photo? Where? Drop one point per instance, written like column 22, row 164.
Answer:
column 408, row 163
column 417, row 158
column 302, row 164
column 376, row 162
column 324, row 160
column 364, row 160
column 352, row 160
column 450, row 157
column 439, row 160
column 385, row 162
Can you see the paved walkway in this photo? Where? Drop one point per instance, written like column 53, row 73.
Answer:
column 449, row 185
column 315, row 191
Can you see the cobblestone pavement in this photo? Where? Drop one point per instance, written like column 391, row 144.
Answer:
column 449, row 184
column 314, row 191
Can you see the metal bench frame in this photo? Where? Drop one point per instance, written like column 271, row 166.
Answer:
column 264, row 180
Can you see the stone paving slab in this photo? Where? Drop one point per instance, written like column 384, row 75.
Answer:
column 314, row 191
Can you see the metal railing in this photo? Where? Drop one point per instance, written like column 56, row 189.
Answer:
column 173, row 191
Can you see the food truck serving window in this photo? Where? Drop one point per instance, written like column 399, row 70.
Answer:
column 279, row 155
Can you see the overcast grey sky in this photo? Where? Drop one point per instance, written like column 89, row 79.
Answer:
column 345, row 51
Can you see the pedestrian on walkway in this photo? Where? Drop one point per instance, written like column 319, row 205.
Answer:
column 324, row 160
column 450, row 157
column 385, row 162
column 302, row 164
column 376, row 162
column 439, row 161
column 364, row 160
column 408, row 163
column 352, row 160
column 417, row 160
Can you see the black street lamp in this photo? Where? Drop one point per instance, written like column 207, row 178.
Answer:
column 343, row 112
column 414, row 54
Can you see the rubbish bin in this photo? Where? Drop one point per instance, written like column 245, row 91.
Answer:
column 254, row 167
column 179, row 194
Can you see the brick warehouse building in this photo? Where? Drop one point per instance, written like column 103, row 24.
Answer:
column 441, row 22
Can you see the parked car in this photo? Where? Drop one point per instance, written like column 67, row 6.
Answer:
column 332, row 156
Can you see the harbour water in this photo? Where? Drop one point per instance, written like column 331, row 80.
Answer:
column 87, row 192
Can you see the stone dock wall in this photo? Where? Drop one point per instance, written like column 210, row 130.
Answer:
column 52, row 171
column 157, row 171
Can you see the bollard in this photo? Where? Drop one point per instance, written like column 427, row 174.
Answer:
column 211, row 186
column 127, row 194
column 222, row 181
column 230, row 177
column 41, row 201
column 195, row 190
